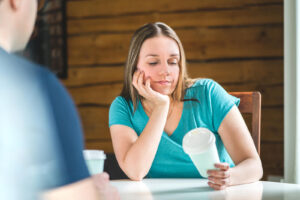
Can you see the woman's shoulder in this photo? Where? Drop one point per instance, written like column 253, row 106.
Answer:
column 203, row 83
column 121, row 103
column 201, row 88
column 119, row 100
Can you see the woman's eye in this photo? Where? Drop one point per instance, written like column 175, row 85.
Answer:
column 153, row 63
column 174, row 62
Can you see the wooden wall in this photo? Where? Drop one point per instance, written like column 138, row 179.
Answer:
column 238, row 43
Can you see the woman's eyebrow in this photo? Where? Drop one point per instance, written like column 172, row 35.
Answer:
column 151, row 55
column 155, row 55
column 174, row 55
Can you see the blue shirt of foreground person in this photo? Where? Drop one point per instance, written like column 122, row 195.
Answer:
column 40, row 133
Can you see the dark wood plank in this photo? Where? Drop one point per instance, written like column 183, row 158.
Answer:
column 267, row 14
column 93, row 75
column 95, row 122
column 272, row 158
column 105, row 145
column 89, row 8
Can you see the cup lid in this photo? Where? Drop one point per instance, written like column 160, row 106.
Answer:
column 198, row 140
column 93, row 154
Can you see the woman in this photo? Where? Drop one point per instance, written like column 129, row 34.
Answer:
column 159, row 104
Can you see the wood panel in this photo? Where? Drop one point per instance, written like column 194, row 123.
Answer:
column 99, row 144
column 96, row 95
column 94, row 75
column 199, row 44
column 251, row 15
column 95, row 122
column 264, row 72
column 259, row 71
column 272, row 158
column 202, row 43
column 88, row 8
column 271, row 95
column 272, row 124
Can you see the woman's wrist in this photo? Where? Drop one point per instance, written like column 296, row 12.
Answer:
column 161, row 108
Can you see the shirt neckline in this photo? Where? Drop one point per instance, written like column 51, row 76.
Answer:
column 164, row 133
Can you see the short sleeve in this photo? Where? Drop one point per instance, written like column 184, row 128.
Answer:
column 120, row 113
column 221, row 102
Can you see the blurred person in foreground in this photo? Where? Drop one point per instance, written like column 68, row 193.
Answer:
column 41, row 138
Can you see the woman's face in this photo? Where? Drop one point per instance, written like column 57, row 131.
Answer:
column 159, row 60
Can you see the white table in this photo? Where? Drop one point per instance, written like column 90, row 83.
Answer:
column 186, row 189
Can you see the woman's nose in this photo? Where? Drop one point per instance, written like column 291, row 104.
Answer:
column 165, row 68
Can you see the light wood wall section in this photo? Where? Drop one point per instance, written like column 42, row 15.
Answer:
column 238, row 43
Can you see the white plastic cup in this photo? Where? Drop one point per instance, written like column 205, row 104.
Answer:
column 94, row 160
column 200, row 145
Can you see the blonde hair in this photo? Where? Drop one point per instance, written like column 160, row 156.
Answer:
column 145, row 32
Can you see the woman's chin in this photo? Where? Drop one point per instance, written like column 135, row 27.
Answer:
column 164, row 92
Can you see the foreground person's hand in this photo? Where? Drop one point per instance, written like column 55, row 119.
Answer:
column 106, row 190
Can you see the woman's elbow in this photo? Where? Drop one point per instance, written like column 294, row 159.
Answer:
column 260, row 172
column 134, row 174
column 259, row 169
column 136, row 178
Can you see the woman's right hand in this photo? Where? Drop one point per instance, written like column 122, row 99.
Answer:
column 145, row 90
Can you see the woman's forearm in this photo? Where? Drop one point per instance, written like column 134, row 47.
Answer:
column 249, row 170
column 140, row 155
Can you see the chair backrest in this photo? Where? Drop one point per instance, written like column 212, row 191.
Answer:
column 251, row 103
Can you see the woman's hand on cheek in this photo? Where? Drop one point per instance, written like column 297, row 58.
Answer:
column 219, row 179
column 143, row 86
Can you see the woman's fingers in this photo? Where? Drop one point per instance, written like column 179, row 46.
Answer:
column 135, row 78
column 138, row 83
column 140, row 79
column 218, row 173
column 222, row 166
column 219, row 181
column 148, row 85
column 219, row 178
column 216, row 186
column 141, row 86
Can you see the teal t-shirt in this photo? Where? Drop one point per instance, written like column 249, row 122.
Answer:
column 212, row 105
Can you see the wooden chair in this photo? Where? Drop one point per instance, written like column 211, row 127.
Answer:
column 251, row 103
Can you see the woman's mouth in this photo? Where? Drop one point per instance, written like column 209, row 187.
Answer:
column 164, row 82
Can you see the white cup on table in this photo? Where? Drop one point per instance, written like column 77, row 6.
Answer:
column 94, row 160
column 200, row 145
